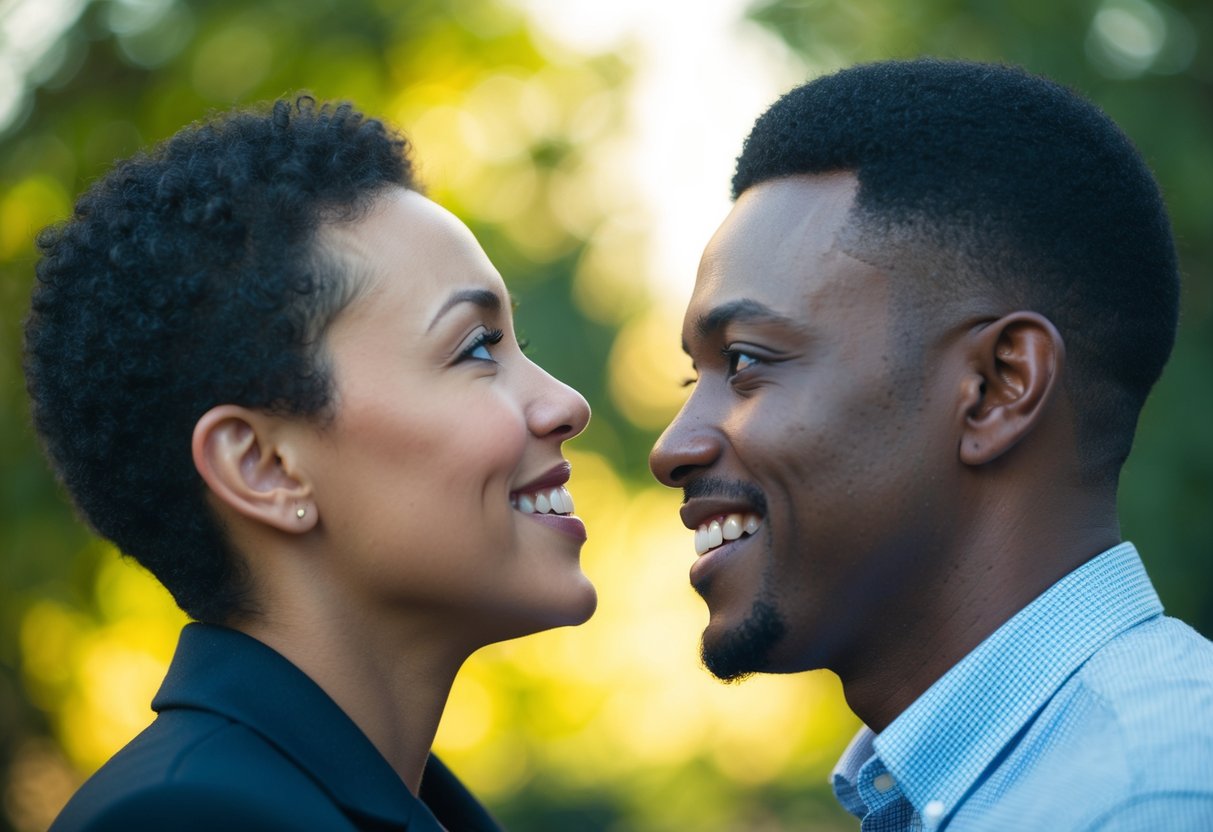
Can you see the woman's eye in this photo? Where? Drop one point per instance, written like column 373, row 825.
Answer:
column 479, row 350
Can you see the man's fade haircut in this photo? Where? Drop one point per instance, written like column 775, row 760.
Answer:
column 187, row 277
column 1026, row 189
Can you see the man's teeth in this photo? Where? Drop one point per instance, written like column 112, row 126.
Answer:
column 551, row 501
column 727, row 527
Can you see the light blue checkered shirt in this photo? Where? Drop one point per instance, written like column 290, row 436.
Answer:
column 1089, row 710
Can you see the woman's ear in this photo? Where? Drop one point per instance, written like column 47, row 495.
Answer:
column 237, row 455
column 1014, row 370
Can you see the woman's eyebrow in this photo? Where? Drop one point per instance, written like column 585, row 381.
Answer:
column 483, row 298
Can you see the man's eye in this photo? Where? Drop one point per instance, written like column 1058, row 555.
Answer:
column 740, row 360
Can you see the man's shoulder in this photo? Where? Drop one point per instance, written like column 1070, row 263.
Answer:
column 1126, row 738
column 193, row 769
column 1154, row 687
column 1158, row 645
column 1153, row 676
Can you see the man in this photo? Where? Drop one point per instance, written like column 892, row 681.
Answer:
column 922, row 337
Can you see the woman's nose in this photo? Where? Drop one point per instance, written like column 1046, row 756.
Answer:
column 558, row 411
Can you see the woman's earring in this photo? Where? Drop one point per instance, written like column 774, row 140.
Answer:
column 301, row 512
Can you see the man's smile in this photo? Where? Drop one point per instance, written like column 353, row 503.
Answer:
column 719, row 530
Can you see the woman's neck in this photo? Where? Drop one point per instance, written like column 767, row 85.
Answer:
column 391, row 677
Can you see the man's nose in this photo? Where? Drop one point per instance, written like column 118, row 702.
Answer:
column 686, row 447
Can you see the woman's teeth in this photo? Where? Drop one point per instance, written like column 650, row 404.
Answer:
column 724, row 528
column 551, row 501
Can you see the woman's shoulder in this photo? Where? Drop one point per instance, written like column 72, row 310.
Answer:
column 197, row 770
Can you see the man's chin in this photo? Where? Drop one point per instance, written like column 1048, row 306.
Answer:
column 745, row 649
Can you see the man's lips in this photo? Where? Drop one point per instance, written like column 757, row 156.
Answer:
column 718, row 521
column 721, row 530
column 709, row 562
column 701, row 510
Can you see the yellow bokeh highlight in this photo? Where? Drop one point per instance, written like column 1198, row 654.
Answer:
column 97, row 674
column 610, row 282
column 647, row 373
column 28, row 206
column 50, row 634
column 116, row 677
column 469, row 713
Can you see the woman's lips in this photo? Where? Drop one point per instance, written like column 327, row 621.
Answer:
column 556, row 500
column 557, row 476
column 545, row 500
column 564, row 523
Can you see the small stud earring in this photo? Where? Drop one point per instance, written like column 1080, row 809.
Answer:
column 301, row 512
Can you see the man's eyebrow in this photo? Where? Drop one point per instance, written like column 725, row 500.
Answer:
column 483, row 298
column 750, row 311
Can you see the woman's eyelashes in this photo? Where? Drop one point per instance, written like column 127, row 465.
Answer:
column 478, row 349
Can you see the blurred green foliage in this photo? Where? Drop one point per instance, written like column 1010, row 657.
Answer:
column 609, row 727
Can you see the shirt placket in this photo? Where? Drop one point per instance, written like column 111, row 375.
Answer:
column 888, row 809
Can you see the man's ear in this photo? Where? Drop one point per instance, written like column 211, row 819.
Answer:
column 237, row 454
column 1015, row 367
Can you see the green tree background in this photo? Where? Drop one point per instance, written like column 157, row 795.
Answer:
column 595, row 728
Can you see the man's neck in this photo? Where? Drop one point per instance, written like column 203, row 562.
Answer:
column 987, row 583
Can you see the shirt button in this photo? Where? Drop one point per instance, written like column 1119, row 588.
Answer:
column 933, row 811
column 883, row 782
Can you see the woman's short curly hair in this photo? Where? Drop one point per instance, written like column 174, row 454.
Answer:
column 192, row 276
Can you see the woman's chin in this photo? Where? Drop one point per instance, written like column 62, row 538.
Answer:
column 588, row 603
column 574, row 607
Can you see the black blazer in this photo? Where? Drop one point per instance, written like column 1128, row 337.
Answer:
column 245, row 740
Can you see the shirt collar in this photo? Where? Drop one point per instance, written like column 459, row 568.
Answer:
column 845, row 777
column 938, row 748
column 226, row 672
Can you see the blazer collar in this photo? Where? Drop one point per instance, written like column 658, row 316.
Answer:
column 225, row 672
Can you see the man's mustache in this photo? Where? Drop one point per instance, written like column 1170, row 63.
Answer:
column 718, row 487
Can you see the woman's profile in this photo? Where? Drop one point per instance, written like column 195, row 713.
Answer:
column 271, row 371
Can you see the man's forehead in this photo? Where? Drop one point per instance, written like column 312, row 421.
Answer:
column 775, row 227
column 816, row 206
column 771, row 266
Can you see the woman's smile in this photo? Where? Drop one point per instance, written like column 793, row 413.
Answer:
column 546, row 500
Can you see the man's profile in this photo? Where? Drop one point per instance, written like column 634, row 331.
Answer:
column 923, row 337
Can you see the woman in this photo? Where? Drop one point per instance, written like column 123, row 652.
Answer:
column 272, row 372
